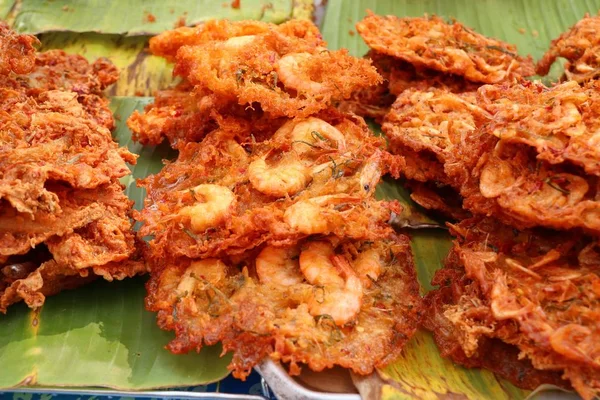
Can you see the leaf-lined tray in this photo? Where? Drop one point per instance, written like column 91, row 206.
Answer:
column 100, row 335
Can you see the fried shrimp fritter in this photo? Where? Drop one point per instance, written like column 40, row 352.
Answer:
column 283, row 69
column 251, row 70
column 64, row 219
column 228, row 194
column 536, row 290
column 580, row 45
column 17, row 52
column 447, row 138
column 301, row 304
column 562, row 122
column 431, row 42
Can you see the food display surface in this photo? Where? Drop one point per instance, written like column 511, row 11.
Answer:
column 298, row 199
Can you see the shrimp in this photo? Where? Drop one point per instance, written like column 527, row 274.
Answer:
column 210, row 270
column 238, row 42
column 278, row 266
column 368, row 266
column 338, row 291
column 309, row 216
column 217, row 206
column 283, row 179
column 315, row 262
column 291, row 73
column 308, row 133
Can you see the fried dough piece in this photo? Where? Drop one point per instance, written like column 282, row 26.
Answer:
column 313, row 176
column 283, row 72
column 452, row 48
column 53, row 139
column 494, row 175
column 90, row 236
column 562, row 122
column 64, row 218
column 492, row 354
column 258, row 308
column 399, row 76
column 538, row 291
column 17, row 52
column 580, row 45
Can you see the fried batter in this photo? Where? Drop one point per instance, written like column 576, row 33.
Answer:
column 229, row 193
column 444, row 138
column 256, row 314
column 492, row 354
column 536, row 290
column 562, row 122
column 64, row 218
column 284, row 73
column 580, row 45
column 17, row 52
column 431, row 42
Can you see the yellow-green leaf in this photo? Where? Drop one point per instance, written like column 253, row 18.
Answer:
column 138, row 17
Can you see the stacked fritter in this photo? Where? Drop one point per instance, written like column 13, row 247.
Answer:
column 264, row 234
column 63, row 214
column 523, row 278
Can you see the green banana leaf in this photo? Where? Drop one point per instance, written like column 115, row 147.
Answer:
column 5, row 7
column 138, row 17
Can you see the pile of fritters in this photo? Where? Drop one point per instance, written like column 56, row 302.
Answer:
column 249, row 69
column 64, row 217
column 518, row 163
column 264, row 234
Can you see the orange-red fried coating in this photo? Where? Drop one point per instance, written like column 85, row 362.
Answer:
column 580, row 46
column 444, row 138
column 431, row 42
column 17, row 52
column 64, row 216
column 319, row 302
column 229, row 193
column 536, row 290
column 561, row 122
column 492, row 354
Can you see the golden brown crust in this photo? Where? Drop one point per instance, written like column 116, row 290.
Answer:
column 536, row 290
column 562, row 122
column 340, row 179
column 17, row 52
column 580, row 45
column 254, row 320
column 63, row 215
column 431, row 42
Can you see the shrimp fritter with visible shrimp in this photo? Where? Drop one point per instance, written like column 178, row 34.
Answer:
column 285, row 69
column 580, row 46
column 561, row 122
column 431, row 42
column 456, row 140
column 230, row 193
column 320, row 302
column 536, row 290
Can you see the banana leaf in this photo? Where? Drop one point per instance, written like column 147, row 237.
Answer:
column 138, row 17
column 5, row 7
